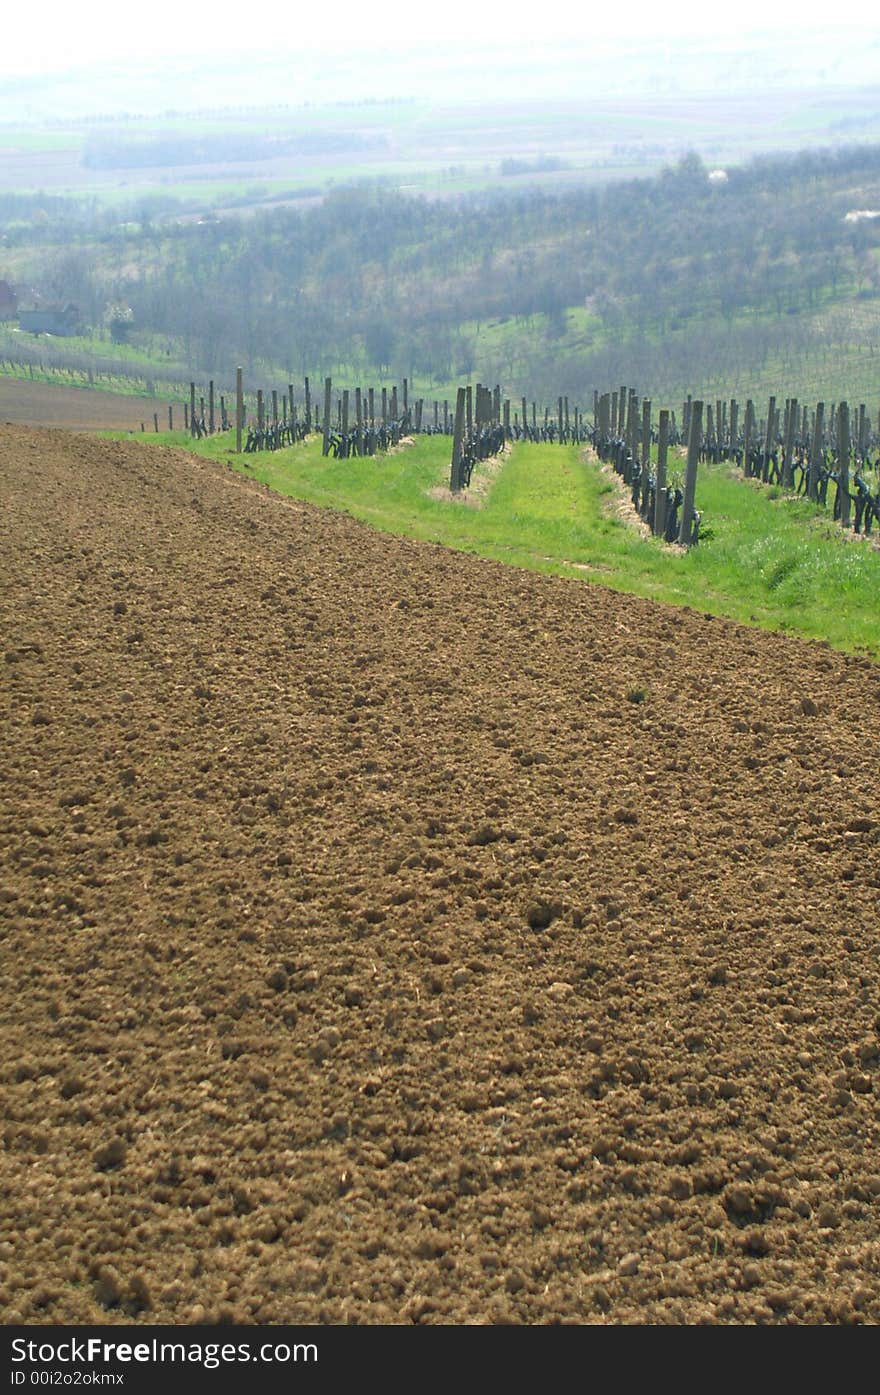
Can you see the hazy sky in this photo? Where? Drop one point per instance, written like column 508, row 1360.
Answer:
column 68, row 33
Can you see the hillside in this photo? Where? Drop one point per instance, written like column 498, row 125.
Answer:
column 744, row 280
column 373, row 954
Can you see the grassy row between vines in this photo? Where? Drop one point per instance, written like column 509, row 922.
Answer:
column 764, row 558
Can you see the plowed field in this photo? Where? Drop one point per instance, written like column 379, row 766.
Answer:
column 392, row 936
column 27, row 403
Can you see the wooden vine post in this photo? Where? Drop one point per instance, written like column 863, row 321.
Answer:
column 457, row 439
column 239, row 410
column 768, row 439
column 685, row 531
column 748, row 429
column 328, row 396
column 660, row 488
column 646, row 453
column 843, row 448
column 816, row 452
column 788, row 457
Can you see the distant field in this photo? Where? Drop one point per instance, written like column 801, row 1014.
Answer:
column 39, row 404
column 440, row 148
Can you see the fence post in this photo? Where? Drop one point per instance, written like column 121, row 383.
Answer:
column 192, row 408
column 685, row 530
column 156, row 422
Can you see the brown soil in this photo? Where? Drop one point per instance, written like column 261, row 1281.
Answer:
column 373, row 954
column 27, row 403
